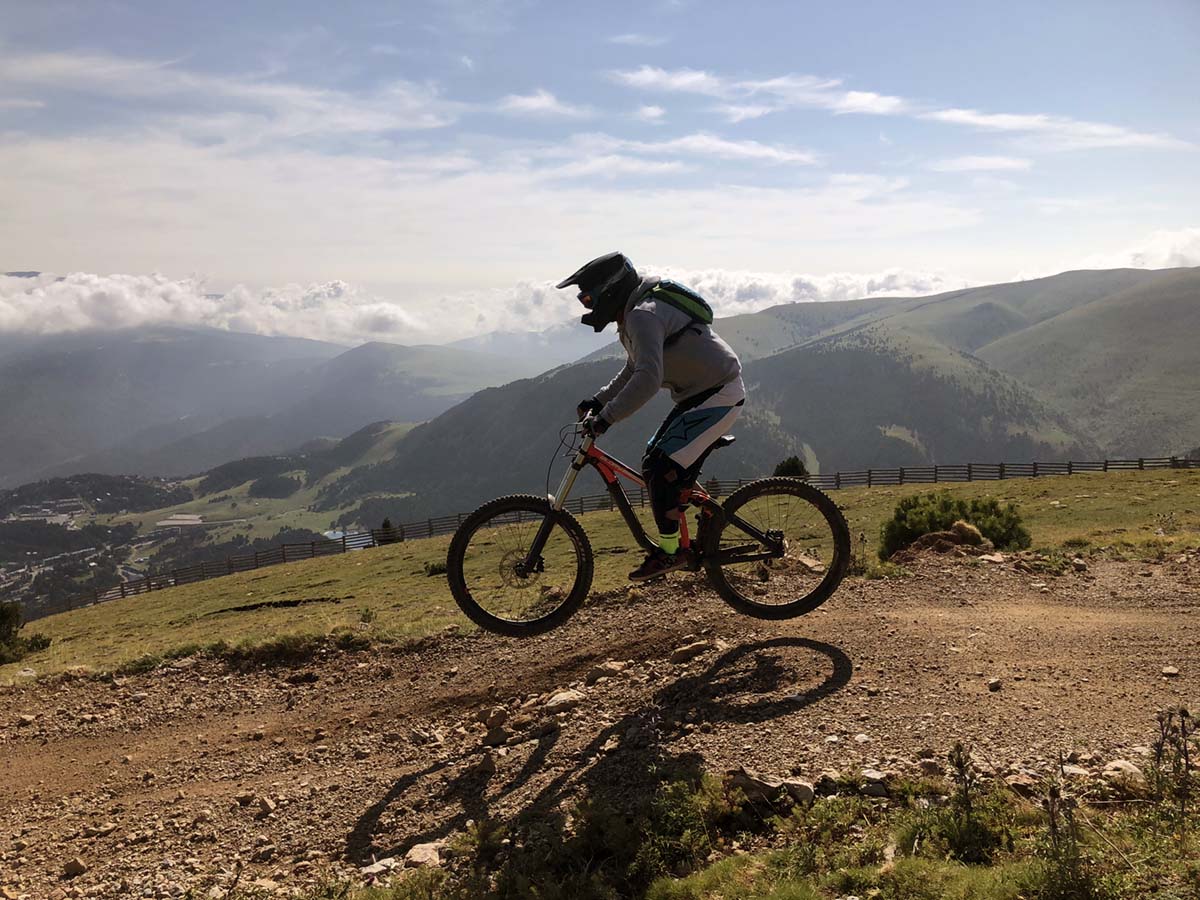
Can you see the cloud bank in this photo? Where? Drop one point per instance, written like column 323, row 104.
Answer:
column 344, row 313
column 1159, row 250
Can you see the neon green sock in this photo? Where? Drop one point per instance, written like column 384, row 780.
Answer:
column 669, row 543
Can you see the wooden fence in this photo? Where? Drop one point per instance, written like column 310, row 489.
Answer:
column 443, row 525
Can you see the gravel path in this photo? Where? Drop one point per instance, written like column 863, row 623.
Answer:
column 159, row 783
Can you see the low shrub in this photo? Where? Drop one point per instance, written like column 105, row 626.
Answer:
column 925, row 513
column 15, row 646
column 793, row 466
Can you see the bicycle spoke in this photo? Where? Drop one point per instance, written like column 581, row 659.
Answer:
column 801, row 549
column 494, row 568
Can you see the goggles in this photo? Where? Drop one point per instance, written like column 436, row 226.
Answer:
column 585, row 297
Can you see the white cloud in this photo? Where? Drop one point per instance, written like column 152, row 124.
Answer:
column 467, row 63
column 700, row 144
column 736, row 112
column 260, row 109
column 981, row 164
column 650, row 113
column 334, row 311
column 541, row 103
column 749, row 99
column 634, row 39
column 612, row 165
column 20, row 103
column 1047, row 132
column 1159, row 250
column 343, row 313
column 735, row 292
column 689, row 81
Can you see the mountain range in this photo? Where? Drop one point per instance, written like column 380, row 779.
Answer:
column 175, row 401
column 1077, row 365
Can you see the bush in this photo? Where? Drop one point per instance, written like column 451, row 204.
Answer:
column 924, row 513
column 792, row 466
column 972, row 828
column 13, row 645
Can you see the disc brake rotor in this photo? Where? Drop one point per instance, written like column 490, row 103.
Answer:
column 511, row 574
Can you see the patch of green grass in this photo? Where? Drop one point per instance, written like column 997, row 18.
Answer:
column 390, row 582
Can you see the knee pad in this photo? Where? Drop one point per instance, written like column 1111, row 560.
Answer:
column 665, row 478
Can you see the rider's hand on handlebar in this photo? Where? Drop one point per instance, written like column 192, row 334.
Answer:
column 590, row 405
column 594, row 425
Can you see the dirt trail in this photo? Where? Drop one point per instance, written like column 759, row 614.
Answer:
column 163, row 782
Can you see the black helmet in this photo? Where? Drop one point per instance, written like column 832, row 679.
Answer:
column 604, row 285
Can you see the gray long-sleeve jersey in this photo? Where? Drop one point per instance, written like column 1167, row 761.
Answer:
column 696, row 361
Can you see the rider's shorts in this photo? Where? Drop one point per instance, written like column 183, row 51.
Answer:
column 691, row 429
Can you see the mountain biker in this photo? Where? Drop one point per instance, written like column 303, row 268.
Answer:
column 664, row 328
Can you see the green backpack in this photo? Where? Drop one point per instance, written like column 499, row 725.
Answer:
column 686, row 300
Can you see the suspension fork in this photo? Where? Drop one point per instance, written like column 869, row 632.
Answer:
column 557, row 501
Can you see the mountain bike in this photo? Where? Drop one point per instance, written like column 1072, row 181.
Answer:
column 774, row 549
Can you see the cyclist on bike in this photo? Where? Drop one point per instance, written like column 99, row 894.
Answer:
column 665, row 329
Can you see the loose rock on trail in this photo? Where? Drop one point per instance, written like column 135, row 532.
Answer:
column 363, row 764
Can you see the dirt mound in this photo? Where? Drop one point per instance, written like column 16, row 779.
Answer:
column 961, row 539
column 173, row 780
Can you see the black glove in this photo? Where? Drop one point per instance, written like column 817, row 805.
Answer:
column 595, row 425
column 591, row 405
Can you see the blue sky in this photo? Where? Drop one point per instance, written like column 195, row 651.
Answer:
column 445, row 155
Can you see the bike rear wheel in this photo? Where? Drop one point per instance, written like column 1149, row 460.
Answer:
column 486, row 566
column 780, row 550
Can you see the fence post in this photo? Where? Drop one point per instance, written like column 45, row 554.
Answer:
column 1106, row 465
column 256, row 562
column 935, row 474
column 902, row 474
column 869, row 477
column 837, row 479
column 969, row 475
column 1001, row 471
column 1035, row 470
column 1141, row 463
column 1070, row 467
column 343, row 542
column 122, row 589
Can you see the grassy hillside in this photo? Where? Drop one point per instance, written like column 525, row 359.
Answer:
column 502, row 441
column 875, row 395
column 880, row 395
column 385, row 592
column 227, row 504
column 1126, row 366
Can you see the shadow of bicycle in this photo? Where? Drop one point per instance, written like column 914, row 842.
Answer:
column 622, row 763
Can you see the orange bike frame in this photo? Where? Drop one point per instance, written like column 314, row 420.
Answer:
column 612, row 470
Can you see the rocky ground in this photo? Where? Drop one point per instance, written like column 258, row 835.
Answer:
column 194, row 776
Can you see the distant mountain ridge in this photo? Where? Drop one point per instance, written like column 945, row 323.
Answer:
column 856, row 384
column 1085, row 363
column 174, row 401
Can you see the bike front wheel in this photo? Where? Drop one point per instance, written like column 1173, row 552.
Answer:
column 497, row 583
column 780, row 550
